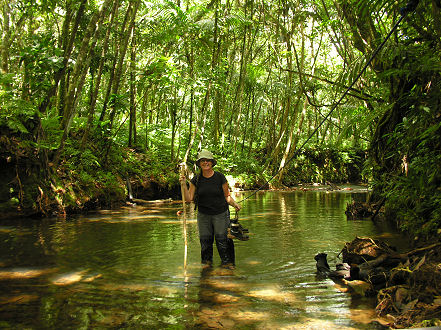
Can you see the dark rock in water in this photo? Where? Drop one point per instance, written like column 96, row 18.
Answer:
column 322, row 264
column 378, row 325
column 365, row 272
column 342, row 270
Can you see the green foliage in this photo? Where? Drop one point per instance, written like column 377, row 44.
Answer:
column 17, row 114
column 244, row 167
column 39, row 57
column 319, row 165
column 414, row 198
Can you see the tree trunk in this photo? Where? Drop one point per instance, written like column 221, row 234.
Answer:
column 132, row 121
column 94, row 95
column 67, row 52
column 125, row 36
column 79, row 74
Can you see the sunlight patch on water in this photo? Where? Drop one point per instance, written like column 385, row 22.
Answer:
column 189, row 221
column 160, row 290
column 6, row 229
column 274, row 293
column 129, row 218
column 68, row 278
column 254, row 262
column 25, row 273
column 315, row 324
column 230, row 317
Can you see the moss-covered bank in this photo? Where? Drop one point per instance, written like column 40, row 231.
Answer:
column 30, row 185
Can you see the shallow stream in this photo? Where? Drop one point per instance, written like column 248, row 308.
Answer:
column 125, row 268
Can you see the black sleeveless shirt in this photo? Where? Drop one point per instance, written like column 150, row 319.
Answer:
column 211, row 198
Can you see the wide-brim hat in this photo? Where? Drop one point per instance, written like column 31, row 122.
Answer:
column 205, row 154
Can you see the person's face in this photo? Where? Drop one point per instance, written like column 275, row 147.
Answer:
column 206, row 164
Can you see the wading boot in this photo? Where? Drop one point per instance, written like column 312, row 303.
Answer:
column 224, row 253
column 207, row 251
column 231, row 253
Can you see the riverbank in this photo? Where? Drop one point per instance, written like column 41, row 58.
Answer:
column 84, row 179
column 96, row 176
column 407, row 284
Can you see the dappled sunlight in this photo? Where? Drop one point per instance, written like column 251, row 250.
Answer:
column 25, row 273
column 14, row 231
column 342, row 288
column 6, row 230
column 129, row 218
column 221, row 284
column 250, row 316
column 100, row 219
column 214, row 318
column 162, row 291
column 316, row 324
column 165, row 291
column 91, row 278
column 364, row 316
column 110, row 211
column 189, row 221
column 126, row 287
column 230, row 316
column 153, row 211
column 68, row 278
column 218, row 298
column 254, row 262
column 274, row 293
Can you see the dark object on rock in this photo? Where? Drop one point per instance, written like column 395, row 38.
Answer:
column 376, row 276
column 322, row 264
column 342, row 270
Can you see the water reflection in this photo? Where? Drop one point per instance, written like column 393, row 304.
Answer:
column 125, row 268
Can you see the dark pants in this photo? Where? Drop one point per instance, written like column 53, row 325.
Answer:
column 215, row 227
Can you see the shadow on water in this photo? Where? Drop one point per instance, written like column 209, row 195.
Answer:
column 125, row 269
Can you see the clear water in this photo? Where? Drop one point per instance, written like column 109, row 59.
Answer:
column 125, row 268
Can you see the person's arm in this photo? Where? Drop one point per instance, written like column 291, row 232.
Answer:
column 230, row 200
column 188, row 193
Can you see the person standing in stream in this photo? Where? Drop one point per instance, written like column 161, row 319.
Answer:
column 210, row 192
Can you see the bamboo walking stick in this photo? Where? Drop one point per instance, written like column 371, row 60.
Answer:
column 182, row 170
